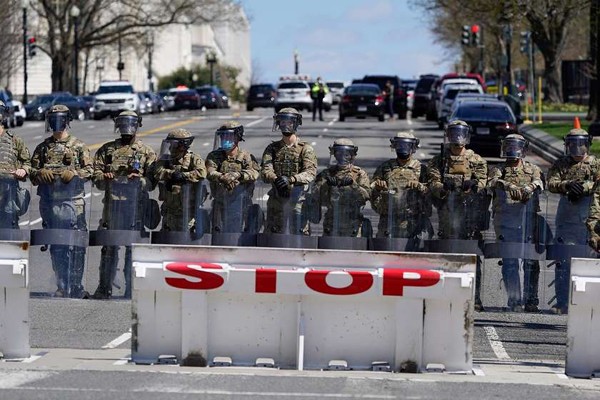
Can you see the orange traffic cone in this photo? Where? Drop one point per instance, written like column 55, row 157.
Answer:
column 576, row 124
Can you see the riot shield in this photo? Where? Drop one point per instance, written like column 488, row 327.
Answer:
column 344, row 224
column 15, row 197
column 287, row 222
column 63, row 217
column 235, row 219
column 184, row 220
column 403, row 219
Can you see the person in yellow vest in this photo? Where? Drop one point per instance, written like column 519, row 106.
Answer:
column 318, row 92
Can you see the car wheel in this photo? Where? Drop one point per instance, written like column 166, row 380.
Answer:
column 12, row 122
column 342, row 117
column 248, row 108
column 19, row 121
column 381, row 118
column 80, row 115
column 327, row 108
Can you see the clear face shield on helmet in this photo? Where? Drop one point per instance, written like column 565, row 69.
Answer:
column 126, row 125
column 404, row 147
column 457, row 134
column 342, row 156
column 225, row 139
column 577, row 146
column 174, row 148
column 57, row 122
column 513, row 148
column 286, row 123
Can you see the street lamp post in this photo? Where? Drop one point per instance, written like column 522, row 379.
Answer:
column 24, row 4
column 296, row 62
column 211, row 59
column 75, row 11
column 150, row 51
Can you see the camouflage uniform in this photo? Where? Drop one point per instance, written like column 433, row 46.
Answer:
column 58, row 156
column 13, row 155
column 401, row 209
column 219, row 163
column 518, row 221
column 344, row 203
column 571, row 214
column 121, row 157
column 299, row 162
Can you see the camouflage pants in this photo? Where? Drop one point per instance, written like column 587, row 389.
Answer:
column 109, row 262
column 569, row 234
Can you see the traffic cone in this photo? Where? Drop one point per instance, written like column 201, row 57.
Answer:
column 576, row 124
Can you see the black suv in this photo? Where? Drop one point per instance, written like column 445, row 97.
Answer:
column 400, row 105
column 262, row 95
column 423, row 99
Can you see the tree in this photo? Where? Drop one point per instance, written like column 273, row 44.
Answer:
column 104, row 22
column 11, row 34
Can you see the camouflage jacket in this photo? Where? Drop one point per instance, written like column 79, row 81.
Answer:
column 13, row 153
column 122, row 159
column 397, row 177
column 355, row 195
column 593, row 219
column 298, row 161
column 525, row 174
column 218, row 163
column 59, row 155
column 190, row 165
column 457, row 168
column 565, row 170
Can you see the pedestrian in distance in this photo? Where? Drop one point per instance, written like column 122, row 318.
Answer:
column 318, row 92
column 388, row 96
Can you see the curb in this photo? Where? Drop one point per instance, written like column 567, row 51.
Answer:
column 546, row 146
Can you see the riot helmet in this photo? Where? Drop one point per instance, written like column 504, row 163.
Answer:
column 58, row 118
column 343, row 152
column 176, row 144
column 577, row 143
column 287, row 120
column 513, row 147
column 404, row 144
column 228, row 135
column 458, row 133
column 127, row 123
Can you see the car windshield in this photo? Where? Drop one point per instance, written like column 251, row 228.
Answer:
column 484, row 112
column 204, row 91
column 43, row 99
column 451, row 94
column 260, row 89
column 115, row 89
column 336, row 85
column 186, row 93
column 65, row 99
column 424, row 85
column 379, row 81
column 371, row 90
column 292, row 85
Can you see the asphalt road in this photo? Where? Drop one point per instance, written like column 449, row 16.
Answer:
column 81, row 347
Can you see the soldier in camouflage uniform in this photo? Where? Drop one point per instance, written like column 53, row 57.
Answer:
column 60, row 164
column 456, row 178
column 572, row 176
column 178, row 170
column 289, row 165
column 15, row 166
column 129, row 162
column 516, row 184
column 399, row 195
column 344, row 189
column 232, row 173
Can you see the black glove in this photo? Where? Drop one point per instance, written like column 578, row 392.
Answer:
column 470, row 184
column 345, row 181
column 449, row 186
column 177, row 177
column 576, row 188
column 282, row 182
column 331, row 180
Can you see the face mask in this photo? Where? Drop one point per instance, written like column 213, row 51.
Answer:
column 227, row 145
column 402, row 154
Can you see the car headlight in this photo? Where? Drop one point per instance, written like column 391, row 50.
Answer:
column 40, row 110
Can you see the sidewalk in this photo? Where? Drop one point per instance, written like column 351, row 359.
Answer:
column 546, row 146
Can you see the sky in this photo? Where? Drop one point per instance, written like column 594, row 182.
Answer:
column 342, row 39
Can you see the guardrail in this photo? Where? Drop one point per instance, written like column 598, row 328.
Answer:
column 302, row 309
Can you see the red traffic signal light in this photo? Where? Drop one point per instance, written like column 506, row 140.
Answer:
column 474, row 28
column 31, row 40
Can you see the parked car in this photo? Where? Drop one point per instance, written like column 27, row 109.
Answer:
column 260, row 95
column 36, row 108
column 20, row 113
column 409, row 86
column 158, row 104
column 293, row 94
column 187, row 99
column 224, row 98
column 90, row 101
column 491, row 121
column 362, row 100
column 168, row 98
column 113, row 97
column 448, row 97
column 210, row 96
column 7, row 99
column 79, row 108
column 337, row 89
column 399, row 96
column 424, row 101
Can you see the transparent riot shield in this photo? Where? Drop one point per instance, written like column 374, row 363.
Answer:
column 344, row 225
column 568, row 217
column 184, row 218
column 236, row 220
column 63, row 217
column 287, row 222
column 15, row 197
column 404, row 219
column 521, row 233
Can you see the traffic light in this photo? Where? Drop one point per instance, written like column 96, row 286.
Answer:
column 475, row 35
column 466, row 35
column 525, row 41
column 31, row 46
column 120, row 66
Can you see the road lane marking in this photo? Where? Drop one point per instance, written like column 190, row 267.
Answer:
column 333, row 122
column 496, row 343
column 325, row 129
column 477, row 370
column 258, row 121
column 559, row 373
column 122, row 361
column 118, row 341
column 96, row 146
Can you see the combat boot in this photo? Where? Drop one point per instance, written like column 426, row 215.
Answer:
column 101, row 294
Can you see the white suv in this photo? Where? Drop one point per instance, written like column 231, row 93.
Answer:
column 293, row 94
column 113, row 97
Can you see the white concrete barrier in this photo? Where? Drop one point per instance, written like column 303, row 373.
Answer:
column 583, row 327
column 302, row 308
column 14, row 303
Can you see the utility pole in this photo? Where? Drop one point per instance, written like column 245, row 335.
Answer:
column 594, row 128
column 24, row 4
column 120, row 65
column 296, row 62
